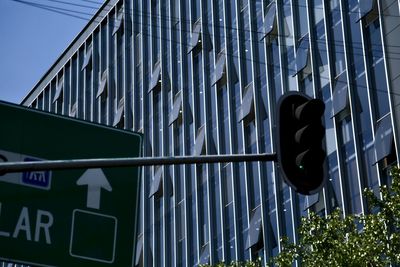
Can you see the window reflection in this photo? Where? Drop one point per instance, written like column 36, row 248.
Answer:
column 301, row 17
column 223, row 118
column 348, row 158
column 252, row 168
column 337, row 45
column 379, row 89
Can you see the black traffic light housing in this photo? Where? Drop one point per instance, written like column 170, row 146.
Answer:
column 300, row 135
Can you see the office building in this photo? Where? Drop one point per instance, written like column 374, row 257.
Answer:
column 204, row 77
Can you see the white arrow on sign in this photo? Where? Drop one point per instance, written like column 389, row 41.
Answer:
column 95, row 179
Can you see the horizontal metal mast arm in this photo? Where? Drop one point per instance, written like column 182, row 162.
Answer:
column 8, row 167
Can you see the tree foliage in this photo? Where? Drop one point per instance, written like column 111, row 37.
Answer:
column 371, row 239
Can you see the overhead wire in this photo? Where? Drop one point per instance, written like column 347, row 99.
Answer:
column 183, row 44
column 323, row 42
column 354, row 51
column 75, row 4
column 50, row 8
column 131, row 11
column 181, row 21
column 91, row 1
column 234, row 37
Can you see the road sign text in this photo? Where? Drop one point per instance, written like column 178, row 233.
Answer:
column 23, row 227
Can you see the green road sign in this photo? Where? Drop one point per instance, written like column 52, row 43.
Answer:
column 84, row 217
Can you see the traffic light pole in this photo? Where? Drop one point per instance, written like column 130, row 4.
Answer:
column 10, row 167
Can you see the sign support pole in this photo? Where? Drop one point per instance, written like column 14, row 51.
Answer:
column 10, row 167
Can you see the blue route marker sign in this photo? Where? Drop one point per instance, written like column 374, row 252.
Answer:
column 38, row 178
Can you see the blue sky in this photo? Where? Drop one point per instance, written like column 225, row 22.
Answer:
column 32, row 38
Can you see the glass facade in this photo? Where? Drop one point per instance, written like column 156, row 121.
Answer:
column 204, row 77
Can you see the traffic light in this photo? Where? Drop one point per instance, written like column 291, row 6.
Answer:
column 300, row 133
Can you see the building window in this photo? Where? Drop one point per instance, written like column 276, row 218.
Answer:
column 157, row 124
column 316, row 203
column 87, row 62
column 223, row 121
column 33, row 104
column 73, row 110
column 247, row 108
column 175, row 11
column 311, row 200
column 180, row 228
column 384, row 143
column 205, row 255
column 199, row 146
column 155, row 82
column 176, row 112
column 378, row 79
column 246, row 62
column 118, row 22
column 340, row 96
column 58, row 96
column 270, row 30
column 349, row 165
column 303, row 62
column 199, row 39
column 220, row 76
column 301, row 16
column 219, row 25
column 102, row 91
column 138, row 50
column 198, row 90
column 250, row 139
column 158, row 186
column 195, row 40
column 336, row 40
column 139, row 254
column 368, row 11
column 119, row 114
column 156, row 78
column 155, row 29
column 255, row 236
column 220, row 69
column 156, row 189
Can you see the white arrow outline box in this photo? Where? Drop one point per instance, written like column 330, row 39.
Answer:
column 72, row 235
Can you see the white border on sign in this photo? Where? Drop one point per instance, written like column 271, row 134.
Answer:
column 72, row 236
